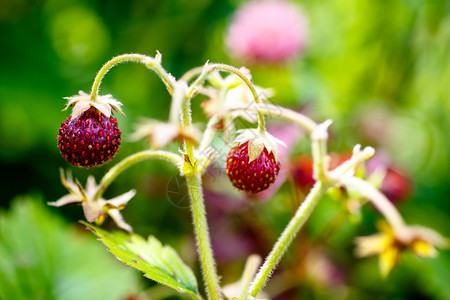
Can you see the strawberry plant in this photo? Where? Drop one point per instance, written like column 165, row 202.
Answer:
column 90, row 137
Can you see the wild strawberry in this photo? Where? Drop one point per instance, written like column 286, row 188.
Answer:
column 89, row 136
column 251, row 177
column 90, row 139
column 252, row 166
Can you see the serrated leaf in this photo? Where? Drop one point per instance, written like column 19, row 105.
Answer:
column 159, row 263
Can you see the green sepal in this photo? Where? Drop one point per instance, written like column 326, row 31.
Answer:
column 159, row 263
column 255, row 148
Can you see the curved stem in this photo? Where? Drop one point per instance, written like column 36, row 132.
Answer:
column 115, row 171
column 230, row 69
column 189, row 75
column 291, row 230
column 150, row 62
column 202, row 236
column 383, row 205
column 284, row 113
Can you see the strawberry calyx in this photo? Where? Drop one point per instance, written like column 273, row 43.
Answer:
column 257, row 142
column 82, row 102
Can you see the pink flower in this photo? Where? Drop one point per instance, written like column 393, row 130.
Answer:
column 267, row 31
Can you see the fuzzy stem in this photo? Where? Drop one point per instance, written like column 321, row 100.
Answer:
column 284, row 113
column 230, row 69
column 291, row 230
column 184, row 103
column 115, row 171
column 150, row 62
column 383, row 205
column 192, row 73
column 194, row 182
column 202, row 236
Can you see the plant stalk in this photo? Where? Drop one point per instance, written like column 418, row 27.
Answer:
column 202, row 236
column 291, row 230
column 230, row 69
column 115, row 171
column 150, row 62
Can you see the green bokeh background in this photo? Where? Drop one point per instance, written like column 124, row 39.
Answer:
column 368, row 62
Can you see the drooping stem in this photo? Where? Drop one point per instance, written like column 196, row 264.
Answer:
column 202, row 236
column 192, row 73
column 384, row 206
column 291, row 230
column 208, row 68
column 151, row 63
column 284, row 113
column 131, row 160
column 230, row 69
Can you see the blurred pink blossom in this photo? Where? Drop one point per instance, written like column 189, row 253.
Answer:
column 267, row 31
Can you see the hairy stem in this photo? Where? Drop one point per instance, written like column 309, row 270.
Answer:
column 150, row 62
column 284, row 113
column 184, row 103
column 202, row 236
column 189, row 75
column 131, row 160
column 383, row 205
column 233, row 70
column 194, row 181
column 291, row 230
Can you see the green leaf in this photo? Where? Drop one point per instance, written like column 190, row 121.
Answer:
column 159, row 263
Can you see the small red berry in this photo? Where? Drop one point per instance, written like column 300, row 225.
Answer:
column 396, row 185
column 86, row 132
column 252, row 177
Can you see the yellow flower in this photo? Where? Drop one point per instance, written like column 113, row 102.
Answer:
column 389, row 244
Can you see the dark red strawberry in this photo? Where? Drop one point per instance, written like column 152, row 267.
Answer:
column 252, row 177
column 90, row 139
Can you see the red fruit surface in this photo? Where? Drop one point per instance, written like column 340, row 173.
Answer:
column 396, row 185
column 302, row 168
column 90, row 139
column 252, row 177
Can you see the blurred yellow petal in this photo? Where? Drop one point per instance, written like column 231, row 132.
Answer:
column 422, row 248
column 370, row 245
column 384, row 227
column 388, row 259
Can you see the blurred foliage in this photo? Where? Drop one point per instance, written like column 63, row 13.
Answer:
column 42, row 257
column 379, row 69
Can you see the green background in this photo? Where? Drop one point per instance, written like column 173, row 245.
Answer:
column 368, row 64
